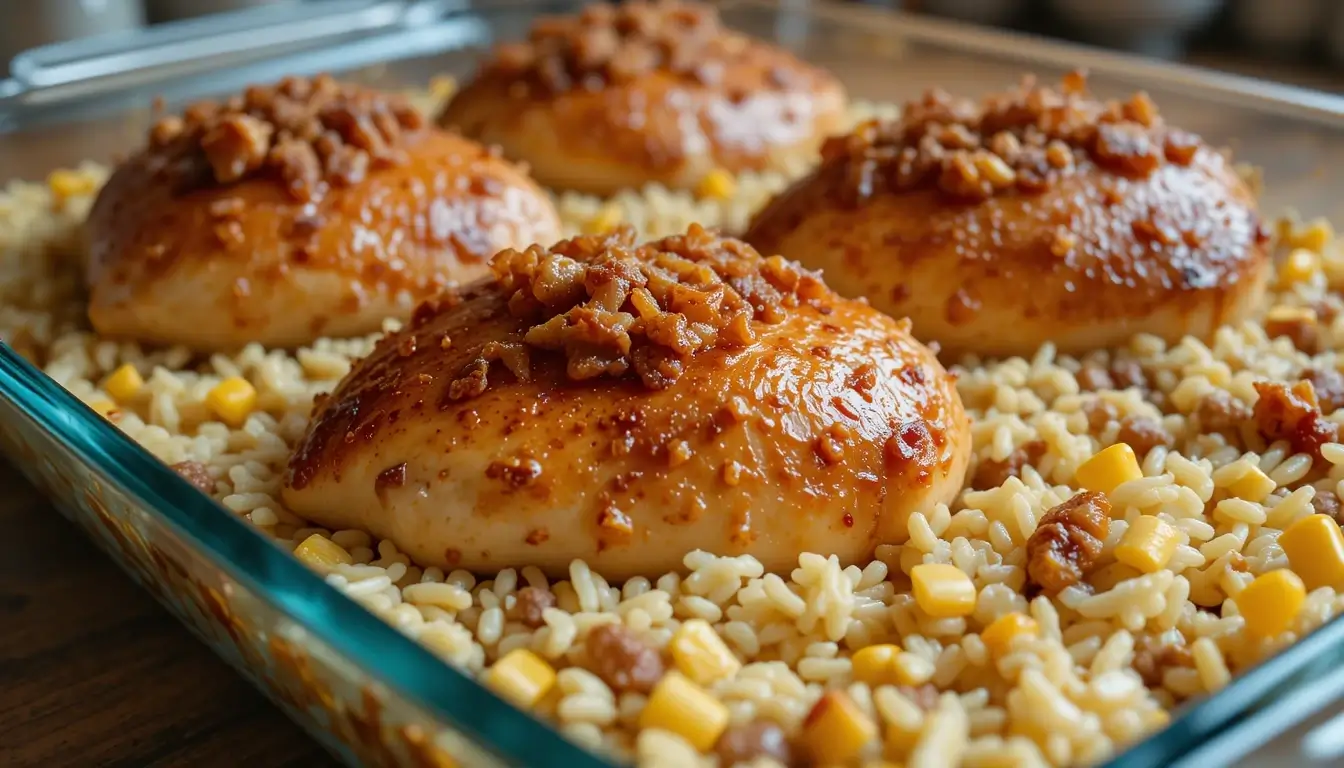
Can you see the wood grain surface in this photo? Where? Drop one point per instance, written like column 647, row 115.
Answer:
column 94, row 672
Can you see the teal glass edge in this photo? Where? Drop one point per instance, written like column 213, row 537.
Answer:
column 277, row 578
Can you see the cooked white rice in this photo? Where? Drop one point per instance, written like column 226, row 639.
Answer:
column 1069, row 696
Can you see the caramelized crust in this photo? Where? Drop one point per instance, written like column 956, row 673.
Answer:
column 822, row 429
column 300, row 210
column 646, row 92
column 1033, row 216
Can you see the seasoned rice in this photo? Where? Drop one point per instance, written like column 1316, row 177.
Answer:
column 1085, row 686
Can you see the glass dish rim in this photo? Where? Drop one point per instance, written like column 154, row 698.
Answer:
column 274, row 576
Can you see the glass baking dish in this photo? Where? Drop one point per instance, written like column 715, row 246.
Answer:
column 364, row 690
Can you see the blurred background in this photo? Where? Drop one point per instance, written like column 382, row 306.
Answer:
column 1299, row 41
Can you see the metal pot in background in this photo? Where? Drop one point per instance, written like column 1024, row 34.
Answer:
column 1152, row 27
column 30, row 23
column 171, row 10
column 1280, row 27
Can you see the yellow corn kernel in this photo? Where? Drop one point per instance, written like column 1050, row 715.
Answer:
column 998, row 636
column 1271, row 602
column 1315, row 549
column 124, row 383
column 1107, row 469
column 1148, row 544
column 898, row 741
column 1313, row 236
column 836, row 730
column 606, row 220
column 232, row 400
column 875, row 664
column 521, row 676
column 65, row 183
column 1255, row 485
column 105, row 408
column 700, row 653
column 684, row 708
column 322, row 553
column 1300, row 266
column 943, row 591
column 717, row 184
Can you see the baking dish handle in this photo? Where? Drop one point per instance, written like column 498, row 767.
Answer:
column 197, row 45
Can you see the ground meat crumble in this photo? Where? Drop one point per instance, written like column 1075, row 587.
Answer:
column 1067, row 542
column 1022, row 140
column 308, row 133
column 612, row 307
column 616, row 44
column 622, row 660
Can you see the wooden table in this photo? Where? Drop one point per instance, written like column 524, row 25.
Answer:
column 94, row 672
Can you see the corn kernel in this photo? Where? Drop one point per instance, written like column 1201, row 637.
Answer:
column 322, row 553
column 1148, row 544
column 521, row 676
column 1315, row 549
column 1271, row 602
column 606, row 220
column 836, row 730
column 700, row 653
column 1107, row 469
column 998, row 636
column 1255, row 485
column 232, row 400
column 1315, row 235
column 124, row 383
column 717, row 184
column 65, row 183
column 943, row 591
column 898, row 741
column 875, row 664
column 1300, row 266
column 105, row 408
column 684, row 708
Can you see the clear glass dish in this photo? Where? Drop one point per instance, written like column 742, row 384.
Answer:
column 367, row 692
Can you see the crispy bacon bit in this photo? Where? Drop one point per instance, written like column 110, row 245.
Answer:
column 197, row 474
column 1022, row 140
column 1219, row 411
column 1291, row 413
column 744, row 744
column 992, row 474
column 302, row 132
column 530, row 603
column 1099, row 413
column 1068, row 541
column 612, row 306
column 622, row 660
column 1093, row 378
column 1142, row 434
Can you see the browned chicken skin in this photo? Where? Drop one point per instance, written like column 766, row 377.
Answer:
column 628, row 405
column 615, row 98
column 1033, row 216
column 304, row 209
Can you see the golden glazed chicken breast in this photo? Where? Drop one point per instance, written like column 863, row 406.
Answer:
column 294, row 211
column 1036, row 215
column 627, row 404
column 618, row 97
